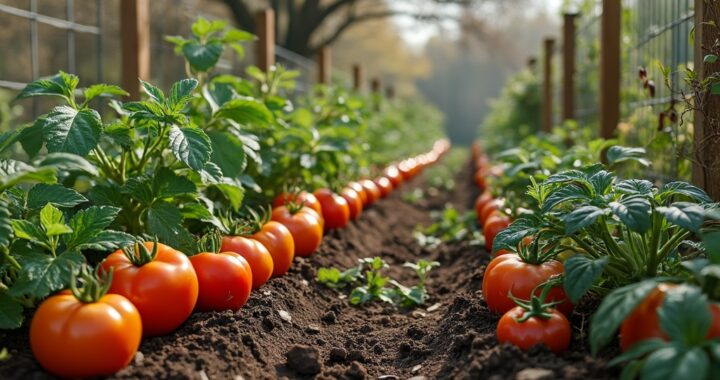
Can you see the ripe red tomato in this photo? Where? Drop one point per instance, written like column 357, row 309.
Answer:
column 308, row 199
column 279, row 242
column 372, row 191
column 481, row 201
column 336, row 211
column 360, row 190
column 385, row 186
column 393, row 174
column 553, row 332
column 644, row 323
column 407, row 168
column 508, row 273
column 355, row 204
column 225, row 280
column 305, row 227
column 164, row 290
column 488, row 209
column 261, row 263
column 493, row 225
column 480, row 180
column 74, row 339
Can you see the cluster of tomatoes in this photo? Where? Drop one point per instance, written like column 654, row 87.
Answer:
column 151, row 289
column 513, row 283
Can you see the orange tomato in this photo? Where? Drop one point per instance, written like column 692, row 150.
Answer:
column 73, row 339
column 385, row 186
column 360, row 190
column 354, row 201
column 393, row 174
column 305, row 226
column 261, row 263
column 372, row 191
column 493, row 225
column 279, row 242
column 164, row 290
column 308, row 199
column 225, row 280
column 336, row 211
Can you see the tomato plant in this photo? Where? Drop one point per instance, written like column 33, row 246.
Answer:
column 84, row 331
column 159, row 280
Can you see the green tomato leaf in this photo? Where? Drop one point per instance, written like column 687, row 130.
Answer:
column 6, row 229
column 246, row 112
column 167, row 184
column 43, row 274
column 683, row 189
column 11, row 312
column 564, row 194
column 614, row 308
column 50, row 215
column 633, row 211
column 689, row 216
column 674, row 362
column 580, row 274
column 87, row 224
column 234, row 193
column 106, row 195
column 70, row 131
column 102, row 89
column 582, row 217
column 26, row 230
column 139, row 188
column 181, row 93
column 635, row 187
column 31, row 137
column 107, row 240
column 67, row 162
column 119, row 134
column 16, row 172
column 510, row 237
column 601, row 181
column 153, row 92
column 202, row 57
column 7, row 139
column 236, row 35
column 191, row 146
column 639, row 350
column 165, row 221
column 618, row 154
column 228, row 152
column 58, row 195
column 62, row 85
column 685, row 315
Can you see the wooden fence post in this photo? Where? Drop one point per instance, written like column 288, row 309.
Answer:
column 376, row 85
column 568, row 73
column 547, row 101
column 324, row 64
column 706, row 163
column 609, row 68
column 135, row 44
column 265, row 29
column 357, row 77
column 390, row 92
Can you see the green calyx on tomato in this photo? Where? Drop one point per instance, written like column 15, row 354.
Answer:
column 536, row 307
column 93, row 286
column 537, row 251
column 139, row 255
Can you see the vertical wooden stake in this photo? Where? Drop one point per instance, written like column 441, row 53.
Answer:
column 706, row 163
column 376, row 85
column 609, row 68
column 135, row 44
column 358, row 77
column 324, row 63
column 265, row 29
column 390, row 92
column 547, row 101
column 568, row 76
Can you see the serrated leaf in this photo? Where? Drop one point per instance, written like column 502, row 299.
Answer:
column 510, row 237
column 15, row 172
column 43, row 274
column 67, row 162
column 11, row 312
column 233, row 193
column 191, row 146
column 106, row 195
column 87, row 224
column 246, row 112
column 50, row 215
column 107, row 241
column 153, row 92
column 689, row 216
column 165, row 220
column 167, row 184
column 61, row 84
column 58, row 195
column 70, row 131
column 633, row 211
column 181, row 93
column 202, row 57
column 102, row 89
column 582, row 217
column 31, row 137
column 26, row 230
column 120, row 134
column 139, row 188
column 580, row 274
column 685, row 315
column 613, row 310
column 561, row 195
column 228, row 153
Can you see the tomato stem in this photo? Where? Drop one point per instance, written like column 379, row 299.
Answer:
column 94, row 286
column 139, row 255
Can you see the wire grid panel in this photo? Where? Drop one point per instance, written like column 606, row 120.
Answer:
column 658, row 36
column 587, row 64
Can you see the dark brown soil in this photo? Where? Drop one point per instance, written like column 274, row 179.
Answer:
column 296, row 328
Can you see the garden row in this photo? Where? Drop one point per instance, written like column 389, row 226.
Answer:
column 564, row 228
column 187, row 173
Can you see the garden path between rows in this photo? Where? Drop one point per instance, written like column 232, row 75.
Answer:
column 453, row 336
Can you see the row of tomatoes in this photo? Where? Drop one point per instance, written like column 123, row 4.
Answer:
column 509, row 277
column 154, row 288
